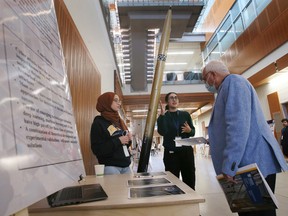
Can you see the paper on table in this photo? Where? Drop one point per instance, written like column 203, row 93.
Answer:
column 147, row 181
column 148, row 174
column 190, row 141
column 161, row 190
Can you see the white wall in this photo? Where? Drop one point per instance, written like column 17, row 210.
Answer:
column 203, row 117
column 262, row 93
column 279, row 85
column 88, row 18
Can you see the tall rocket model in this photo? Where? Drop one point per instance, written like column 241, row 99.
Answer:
column 155, row 95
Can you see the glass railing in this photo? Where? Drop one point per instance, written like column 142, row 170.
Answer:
column 238, row 18
column 185, row 78
column 160, row 2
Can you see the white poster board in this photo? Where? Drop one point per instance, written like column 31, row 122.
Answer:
column 39, row 147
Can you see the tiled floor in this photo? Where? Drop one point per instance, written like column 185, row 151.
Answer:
column 208, row 187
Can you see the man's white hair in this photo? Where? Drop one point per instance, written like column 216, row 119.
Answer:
column 217, row 67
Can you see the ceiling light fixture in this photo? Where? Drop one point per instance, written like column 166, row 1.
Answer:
column 139, row 116
column 181, row 53
column 134, row 111
column 165, row 72
column 176, row 63
column 188, row 108
column 125, row 64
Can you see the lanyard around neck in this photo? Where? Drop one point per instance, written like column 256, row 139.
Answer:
column 176, row 122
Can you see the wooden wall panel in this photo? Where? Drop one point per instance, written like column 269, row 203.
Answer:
column 272, row 11
column 274, row 104
column 275, row 112
column 263, row 21
column 283, row 5
column 268, row 32
column 84, row 80
column 282, row 62
column 262, row 76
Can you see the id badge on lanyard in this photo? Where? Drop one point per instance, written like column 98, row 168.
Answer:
column 176, row 124
column 125, row 149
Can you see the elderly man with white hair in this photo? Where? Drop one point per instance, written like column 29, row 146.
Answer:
column 238, row 132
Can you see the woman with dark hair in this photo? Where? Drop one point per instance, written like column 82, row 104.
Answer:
column 175, row 124
column 110, row 137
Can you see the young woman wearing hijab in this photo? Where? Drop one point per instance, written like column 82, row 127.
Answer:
column 175, row 124
column 109, row 136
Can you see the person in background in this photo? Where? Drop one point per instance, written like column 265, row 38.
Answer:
column 175, row 124
column 110, row 137
column 238, row 132
column 284, row 137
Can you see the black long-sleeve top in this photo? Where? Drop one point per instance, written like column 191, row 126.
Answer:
column 169, row 126
column 106, row 145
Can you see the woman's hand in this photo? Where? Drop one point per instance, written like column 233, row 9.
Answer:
column 162, row 108
column 124, row 139
column 129, row 135
column 185, row 128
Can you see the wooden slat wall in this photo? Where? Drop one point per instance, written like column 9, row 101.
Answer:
column 263, row 75
column 282, row 62
column 183, row 97
column 268, row 32
column 275, row 112
column 84, row 80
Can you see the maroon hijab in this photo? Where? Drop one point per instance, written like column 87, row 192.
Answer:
column 104, row 107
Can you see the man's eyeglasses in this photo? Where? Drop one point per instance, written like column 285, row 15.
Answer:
column 173, row 98
column 206, row 76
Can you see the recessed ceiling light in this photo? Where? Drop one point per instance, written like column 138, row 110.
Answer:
column 181, row 53
column 125, row 64
column 139, row 116
column 134, row 111
column 188, row 108
column 176, row 63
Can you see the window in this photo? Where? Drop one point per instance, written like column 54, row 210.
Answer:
column 249, row 14
column 243, row 3
column 239, row 27
column 226, row 25
column 213, row 43
column 215, row 54
column 235, row 11
column 240, row 16
column 227, row 40
column 205, row 53
column 261, row 4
